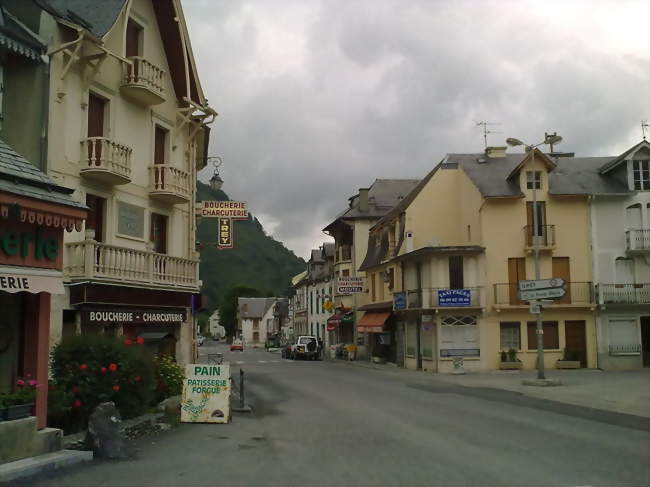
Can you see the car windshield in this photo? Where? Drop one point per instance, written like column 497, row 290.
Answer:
column 304, row 340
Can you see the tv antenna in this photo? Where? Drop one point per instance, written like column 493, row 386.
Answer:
column 486, row 131
column 644, row 125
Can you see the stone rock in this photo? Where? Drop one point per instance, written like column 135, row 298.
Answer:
column 170, row 406
column 104, row 436
column 164, row 426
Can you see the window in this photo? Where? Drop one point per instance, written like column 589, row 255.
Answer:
column 456, row 272
column 623, row 336
column 133, row 39
column 159, row 233
column 510, row 335
column 633, row 217
column 160, row 145
column 311, row 301
column 534, row 179
column 346, row 273
column 459, row 335
column 641, row 174
column 95, row 218
column 372, row 288
column 530, row 218
column 551, row 335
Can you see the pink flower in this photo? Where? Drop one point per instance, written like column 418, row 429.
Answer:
column 103, row 370
column 77, row 403
column 116, row 388
column 112, row 367
column 20, row 382
column 83, row 367
column 128, row 342
column 139, row 340
column 32, row 383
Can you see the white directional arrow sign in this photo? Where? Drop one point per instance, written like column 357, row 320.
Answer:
column 551, row 293
column 554, row 282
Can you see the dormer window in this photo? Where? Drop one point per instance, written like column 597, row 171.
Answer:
column 534, row 179
column 641, row 175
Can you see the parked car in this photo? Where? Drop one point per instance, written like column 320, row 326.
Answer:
column 199, row 340
column 305, row 347
column 237, row 345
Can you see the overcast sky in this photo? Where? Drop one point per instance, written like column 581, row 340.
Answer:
column 317, row 98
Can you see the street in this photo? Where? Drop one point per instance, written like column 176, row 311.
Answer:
column 330, row 424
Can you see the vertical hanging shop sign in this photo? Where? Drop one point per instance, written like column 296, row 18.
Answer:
column 225, row 236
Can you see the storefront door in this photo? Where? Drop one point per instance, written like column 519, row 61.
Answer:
column 11, row 339
column 645, row 340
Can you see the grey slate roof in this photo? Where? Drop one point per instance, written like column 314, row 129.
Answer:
column 18, row 38
column 256, row 307
column 18, row 176
column 328, row 249
column 96, row 16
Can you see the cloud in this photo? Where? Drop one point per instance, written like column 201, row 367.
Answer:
column 319, row 98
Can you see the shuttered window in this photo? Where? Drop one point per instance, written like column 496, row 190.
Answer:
column 551, row 335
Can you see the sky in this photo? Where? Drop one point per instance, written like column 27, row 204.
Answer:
column 318, row 98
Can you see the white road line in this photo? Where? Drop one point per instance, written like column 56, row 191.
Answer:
column 261, row 361
column 275, row 361
column 240, row 362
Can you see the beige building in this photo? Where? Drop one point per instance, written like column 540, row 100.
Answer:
column 128, row 130
column 255, row 320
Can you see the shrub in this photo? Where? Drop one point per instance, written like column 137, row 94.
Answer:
column 512, row 355
column 504, row 356
column 24, row 393
column 96, row 369
column 169, row 377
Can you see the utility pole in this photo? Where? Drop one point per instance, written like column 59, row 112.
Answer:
column 536, row 226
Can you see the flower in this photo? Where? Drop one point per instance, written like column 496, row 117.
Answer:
column 112, row 367
column 139, row 340
column 32, row 383
column 103, row 370
column 128, row 342
column 20, row 382
column 77, row 404
column 83, row 367
column 116, row 388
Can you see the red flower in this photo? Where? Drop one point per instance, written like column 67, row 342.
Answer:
column 103, row 370
column 137, row 378
column 139, row 340
column 77, row 403
column 116, row 388
column 20, row 382
column 128, row 342
column 112, row 367
column 83, row 366
column 74, row 389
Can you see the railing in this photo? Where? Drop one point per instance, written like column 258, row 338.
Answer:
column 578, row 293
column 443, row 297
column 90, row 259
column 637, row 239
column 144, row 74
column 544, row 235
column 624, row 293
column 100, row 153
column 625, row 349
column 166, row 178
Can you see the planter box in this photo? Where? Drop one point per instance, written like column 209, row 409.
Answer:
column 10, row 413
column 510, row 365
column 567, row 364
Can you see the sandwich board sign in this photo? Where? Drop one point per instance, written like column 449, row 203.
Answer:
column 206, row 394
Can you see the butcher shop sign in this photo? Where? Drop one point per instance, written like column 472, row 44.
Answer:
column 133, row 317
column 206, row 394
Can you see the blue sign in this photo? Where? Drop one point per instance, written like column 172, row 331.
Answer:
column 399, row 301
column 454, row 297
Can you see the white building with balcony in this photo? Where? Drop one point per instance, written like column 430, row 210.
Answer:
column 128, row 130
column 620, row 223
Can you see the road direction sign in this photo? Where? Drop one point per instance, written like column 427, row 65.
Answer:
column 554, row 282
column 551, row 293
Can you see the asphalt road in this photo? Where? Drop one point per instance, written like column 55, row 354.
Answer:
column 323, row 424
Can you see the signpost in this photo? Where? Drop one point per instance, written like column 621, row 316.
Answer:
column 349, row 285
column 555, row 292
column 206, row 394
column 554, row 282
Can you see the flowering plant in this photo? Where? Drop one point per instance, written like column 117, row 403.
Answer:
column 24, row 393
column 169, row 376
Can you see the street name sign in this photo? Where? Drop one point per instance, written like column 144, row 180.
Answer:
column 551, row 293
column 206, row 394
column 349, row 285
column 554, row 282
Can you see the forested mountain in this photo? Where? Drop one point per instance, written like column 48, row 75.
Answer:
column 257, row 260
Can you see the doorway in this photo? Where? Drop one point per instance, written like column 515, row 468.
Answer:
column 645, row 340
column 576, row 341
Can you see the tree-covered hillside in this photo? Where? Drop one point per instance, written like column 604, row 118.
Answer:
column 257, row 260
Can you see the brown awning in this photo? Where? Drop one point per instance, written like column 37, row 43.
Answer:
column 373, row 322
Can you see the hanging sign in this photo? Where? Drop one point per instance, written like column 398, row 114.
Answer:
column 237, row 210
column 206, row 394
column 225, row 237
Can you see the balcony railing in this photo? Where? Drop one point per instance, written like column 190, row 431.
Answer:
column 577, row 293
column 169, row 183
column 443, row 297
column 638, row 240
column 143, row 81
column 624, row 293
column 94, row 260
column 105, row 160
column 544, row 236
column 344, row 253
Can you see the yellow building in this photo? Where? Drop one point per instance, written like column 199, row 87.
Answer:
column 462, row 239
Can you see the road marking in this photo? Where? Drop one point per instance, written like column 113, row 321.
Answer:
column 275, row 361
column 261, row 361
column 240, row 362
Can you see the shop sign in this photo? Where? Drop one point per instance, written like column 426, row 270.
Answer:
column 225, row 234
column 15, row 283
column 25, row 245
column 206, row 394
column 454, row 297
column 460, row 352
column 132, row 317
column 349, row 285
column 399, row 301
column 237, row 210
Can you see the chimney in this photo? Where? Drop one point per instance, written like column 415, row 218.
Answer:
column 495, row 152
column 363, row 199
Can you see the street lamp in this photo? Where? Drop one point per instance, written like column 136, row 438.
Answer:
column 549, row 139
column 215, row 181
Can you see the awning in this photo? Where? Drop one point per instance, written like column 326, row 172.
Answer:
column 343, row 316
column 373, row 322
column 30, row 280
column 154, row 335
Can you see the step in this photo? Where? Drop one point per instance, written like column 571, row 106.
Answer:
column 41, row 464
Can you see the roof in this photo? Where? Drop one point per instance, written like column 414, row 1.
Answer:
column 19, row 39
column 617, row 160
column 255, row 307
column 18, row 176
column 443, row 249
column 383, row 195
column 95, row 16
column 298, row 278
column 328, row 249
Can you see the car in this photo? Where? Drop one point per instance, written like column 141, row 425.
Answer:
column 237, row 345
column 305, row 347
column 199, row 340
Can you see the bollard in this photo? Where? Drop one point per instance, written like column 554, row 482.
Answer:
column 241, row 388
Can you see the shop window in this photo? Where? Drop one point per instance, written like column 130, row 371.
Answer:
column 459, row 335
column 510, row 335
column 96, row 217
column 551, row 335
column 159, row 233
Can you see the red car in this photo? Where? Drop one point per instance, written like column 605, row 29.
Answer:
column 237, row 345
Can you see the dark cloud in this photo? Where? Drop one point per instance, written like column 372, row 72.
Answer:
column 319, row 98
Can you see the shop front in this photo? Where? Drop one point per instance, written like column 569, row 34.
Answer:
column 340, row 330
column 380, row 332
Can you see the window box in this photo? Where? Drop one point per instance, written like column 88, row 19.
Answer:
column 10, row 413
column 567, row 364
column 511, row 365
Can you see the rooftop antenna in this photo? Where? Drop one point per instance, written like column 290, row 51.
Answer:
column 486, row 131
column 550, row 139
column 644, row 125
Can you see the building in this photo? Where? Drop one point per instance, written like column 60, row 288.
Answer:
column 455, row 248
column 215, row 328
column 128, row 131
column 299, row 302
column 320, row 270
column 350, row 233
column 255, row 319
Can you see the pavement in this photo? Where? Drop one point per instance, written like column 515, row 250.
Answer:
column 332, row 424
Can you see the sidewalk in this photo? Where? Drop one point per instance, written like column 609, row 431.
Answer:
column 626, row 392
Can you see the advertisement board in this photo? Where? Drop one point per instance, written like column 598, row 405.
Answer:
column 206, row 394
column 225, row 234
column 237, row 210
column 349, row 285
column 454, row 297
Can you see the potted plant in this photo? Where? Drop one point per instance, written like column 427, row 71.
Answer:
column 509, row 360
column 20, row 403
column 569, row 360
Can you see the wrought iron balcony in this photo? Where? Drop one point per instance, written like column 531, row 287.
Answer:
column 638, row 240
column 624, row 293
column 544, row 236
column 143, row 81
column 105, row 161
column 169, row 184
column 577, row 294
